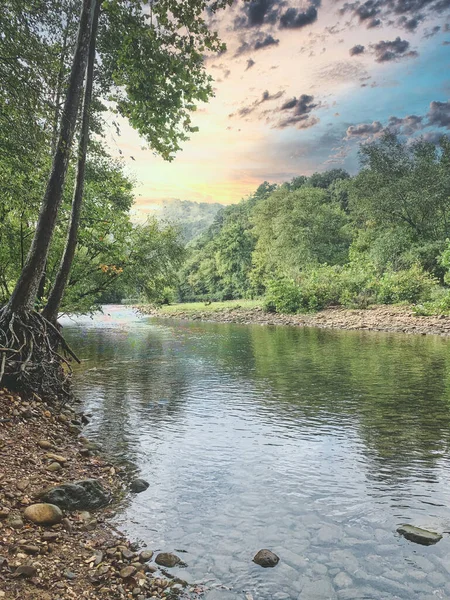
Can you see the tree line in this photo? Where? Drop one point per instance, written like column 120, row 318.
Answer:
column 381, row 236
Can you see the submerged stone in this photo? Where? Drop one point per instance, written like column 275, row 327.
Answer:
column 87, row 494
column 266, row 558
column 418, row 535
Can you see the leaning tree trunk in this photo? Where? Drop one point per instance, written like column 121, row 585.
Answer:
column 50, row 311
column 24, row 294
column 29, row 345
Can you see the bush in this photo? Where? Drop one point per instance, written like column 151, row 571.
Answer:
column 282, row 296
column 353, row 286
column 439, row 305
column 412, row 285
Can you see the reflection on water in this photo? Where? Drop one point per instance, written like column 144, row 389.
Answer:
column 316, row 444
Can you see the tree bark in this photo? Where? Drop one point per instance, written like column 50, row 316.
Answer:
column 24, row 294
column 50, row 311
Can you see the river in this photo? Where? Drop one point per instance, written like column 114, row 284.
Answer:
column 316, row 444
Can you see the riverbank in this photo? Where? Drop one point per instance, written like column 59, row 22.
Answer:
column 81, row 555
column 377, row 318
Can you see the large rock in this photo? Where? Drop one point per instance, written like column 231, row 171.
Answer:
column 166, row 559
column 418, row 535
column 266, row 558
column 138, row 485
column 87, row 494
column 43, row 514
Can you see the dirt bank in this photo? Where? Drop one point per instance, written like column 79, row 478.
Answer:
column 82, row 556
column 378, row 318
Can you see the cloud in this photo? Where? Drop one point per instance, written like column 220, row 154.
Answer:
column 407, row 14
column 250, row 64
column 222, row 67
column 300, row 113
column 247, row 110
column 406, row 125
column 258, row 12
column 410, row 24
column 364, row 130
column 358, row 49
column 342, row 71
column 439, row 114
column 256, row 42
column 366, row 12
column 265, row 41
column 294, row 18
column 429, row 33
column 386, row 51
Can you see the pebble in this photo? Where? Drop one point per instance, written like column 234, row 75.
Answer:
column 43, row 514
column 418, row 535
column 55, row 466
column 266, row 558
column 25, row 571
column 138, row 485
column 30, row 549
column 145, row 555
column 127, row 572
column 166, row 559
column 16, row 523
column 45, row 444
column 57, row 458
column 22, row 484
column 69, row 575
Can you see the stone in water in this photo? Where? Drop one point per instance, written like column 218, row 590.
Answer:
column 418, row 535
column 266, row 558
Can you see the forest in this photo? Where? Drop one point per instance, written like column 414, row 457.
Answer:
column 379, row 237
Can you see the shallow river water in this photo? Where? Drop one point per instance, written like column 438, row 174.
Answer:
column 316, row 444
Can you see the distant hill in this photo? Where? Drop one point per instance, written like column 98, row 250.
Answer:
column 192, row 217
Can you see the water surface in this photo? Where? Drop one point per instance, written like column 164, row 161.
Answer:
column 314, row 443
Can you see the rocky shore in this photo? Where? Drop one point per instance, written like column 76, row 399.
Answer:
column 51, row 546
column 378, row 318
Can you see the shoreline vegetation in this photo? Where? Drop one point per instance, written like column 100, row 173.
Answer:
column 388, row 318
column 82, row 554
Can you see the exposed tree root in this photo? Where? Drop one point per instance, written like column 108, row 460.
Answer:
column 34, row 357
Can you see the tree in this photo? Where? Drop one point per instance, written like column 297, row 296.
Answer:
column 152, row 68
column 296, row 230
column 400, row 201
column 51, row 309
column 24, row 293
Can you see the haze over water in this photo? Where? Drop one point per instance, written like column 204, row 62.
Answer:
column 316, row 444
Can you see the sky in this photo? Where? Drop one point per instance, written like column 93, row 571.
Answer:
column 301, row 85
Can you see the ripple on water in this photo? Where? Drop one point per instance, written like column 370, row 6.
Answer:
column 314, row 443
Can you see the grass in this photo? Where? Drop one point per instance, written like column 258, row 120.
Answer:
column 195, row 307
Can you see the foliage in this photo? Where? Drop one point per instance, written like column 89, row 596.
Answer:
column 219, row 262
column 413, row 285
column 331, row 239
column 400, row 201
column 350, row 286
